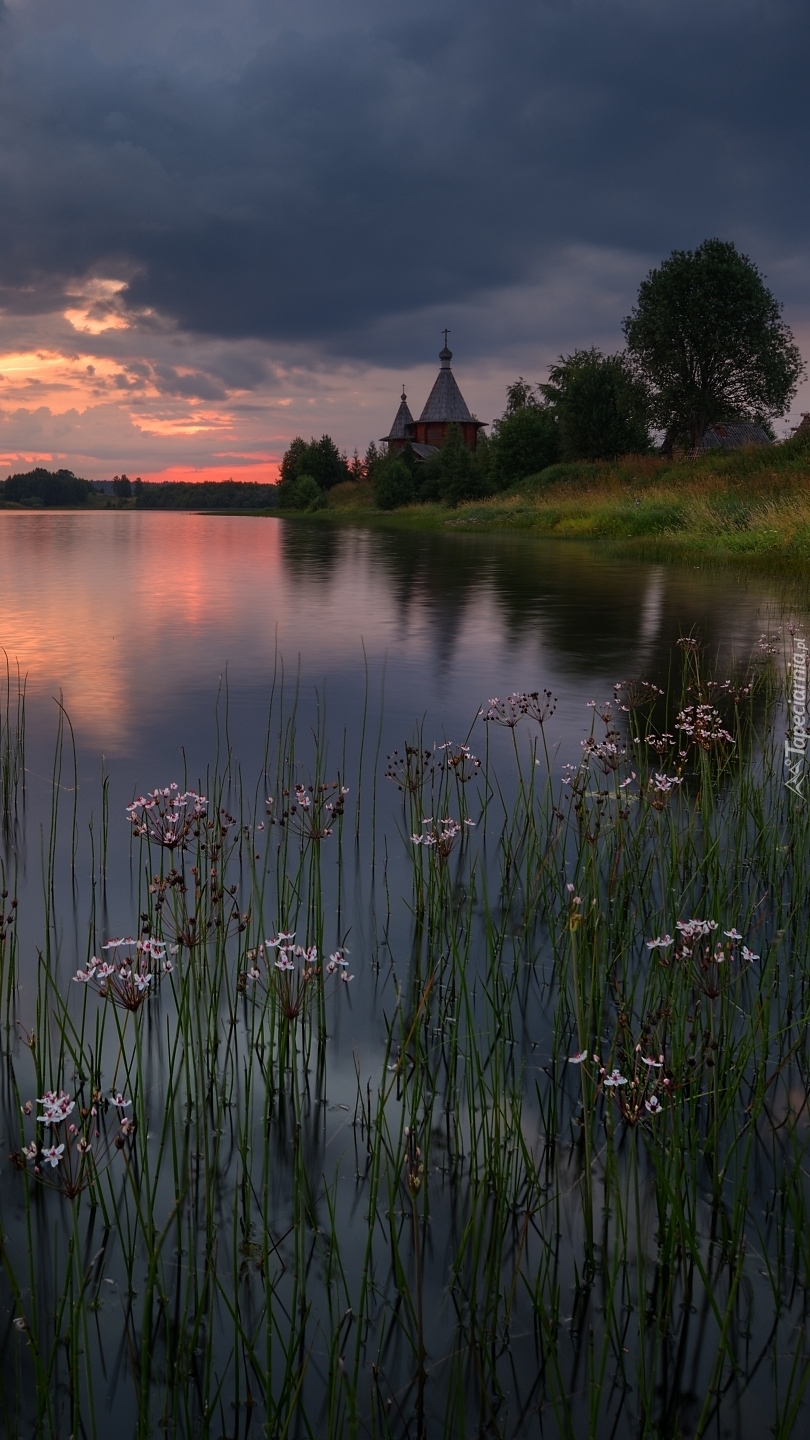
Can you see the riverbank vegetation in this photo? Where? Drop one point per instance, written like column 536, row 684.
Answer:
column 746, row 506
column 560, row 1182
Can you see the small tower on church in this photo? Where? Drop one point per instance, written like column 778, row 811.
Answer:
column 401, row 431
column 445, row 406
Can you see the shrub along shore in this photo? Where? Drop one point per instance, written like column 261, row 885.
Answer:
column 747, row 506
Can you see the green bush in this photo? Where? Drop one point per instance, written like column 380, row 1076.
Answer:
column 567, row 471
column 455, row 474
column 523, row 444
column 393, row 484
column 306, row 494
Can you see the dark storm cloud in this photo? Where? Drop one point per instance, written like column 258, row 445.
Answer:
column 303, row 173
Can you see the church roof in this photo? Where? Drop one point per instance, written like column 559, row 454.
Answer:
column 402, row 428
column 445, row 403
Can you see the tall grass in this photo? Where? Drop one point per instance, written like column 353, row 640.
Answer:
column 12, row 744
column 560, row 1187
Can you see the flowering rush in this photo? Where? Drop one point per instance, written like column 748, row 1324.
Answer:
column 127, row 980
column 702, row 946
column 702, row 724
column 439, row 836
column 537, row 705
column 638, row 1094
column 312, row 809
column 73, row 1144
column 292, row 971
column 167, row 816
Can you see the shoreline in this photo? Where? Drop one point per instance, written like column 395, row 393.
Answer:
column 748, row 510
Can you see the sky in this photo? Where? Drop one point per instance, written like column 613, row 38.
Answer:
column 228, row 222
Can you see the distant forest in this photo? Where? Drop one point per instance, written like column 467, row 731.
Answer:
column 51, row 489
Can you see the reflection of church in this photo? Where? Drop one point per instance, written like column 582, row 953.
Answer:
column 444, row 406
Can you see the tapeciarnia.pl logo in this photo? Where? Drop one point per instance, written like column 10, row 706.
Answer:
column 796, row 742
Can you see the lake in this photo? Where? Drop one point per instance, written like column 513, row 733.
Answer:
column 135, row 618
column 242, row 657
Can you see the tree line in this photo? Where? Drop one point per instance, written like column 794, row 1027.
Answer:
column 705, row 343
column 58, row 489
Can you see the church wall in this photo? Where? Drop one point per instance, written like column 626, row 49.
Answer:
column 434, row 434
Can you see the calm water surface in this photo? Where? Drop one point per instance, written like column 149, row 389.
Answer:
column 135, row 619
column 167, row 637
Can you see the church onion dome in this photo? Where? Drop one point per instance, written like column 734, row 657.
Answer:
column 445, row 404
column 402, row 428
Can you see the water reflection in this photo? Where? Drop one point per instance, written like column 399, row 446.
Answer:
column 134, row 617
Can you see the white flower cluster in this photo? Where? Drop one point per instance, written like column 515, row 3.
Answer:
column 167, row 816
column 127, row 981
column 72, row 1154
column 440, row 836
column 703, row 724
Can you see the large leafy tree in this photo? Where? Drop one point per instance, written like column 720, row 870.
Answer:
column 602, row 407
column 709, row 338
column 526, row 438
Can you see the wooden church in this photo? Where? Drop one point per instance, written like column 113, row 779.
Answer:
column 444, row 406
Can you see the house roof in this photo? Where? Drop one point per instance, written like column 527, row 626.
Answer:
column 402, row 428
column 445, row 403
column 733, row 436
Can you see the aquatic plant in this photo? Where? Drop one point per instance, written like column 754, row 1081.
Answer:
column 561, row 1186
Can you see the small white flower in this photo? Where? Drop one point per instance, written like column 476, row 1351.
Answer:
column 653, row 1105
column 748, row 954
column 656, row 1064
column 660, row 942
column 56, row 1107
column 578, row 1059
column 53, row 1155
column 614, row 1079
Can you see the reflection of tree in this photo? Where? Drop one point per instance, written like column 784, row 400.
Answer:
column 592, row 611
column 428, row 575
column 310, row 552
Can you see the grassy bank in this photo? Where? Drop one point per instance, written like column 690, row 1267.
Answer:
column 750, row 507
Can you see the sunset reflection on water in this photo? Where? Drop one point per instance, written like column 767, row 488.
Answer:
column 134, row 617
